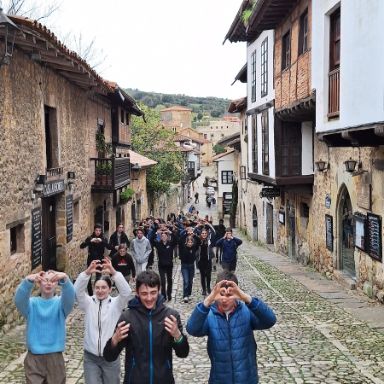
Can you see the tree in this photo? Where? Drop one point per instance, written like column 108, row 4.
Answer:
column 151, row 139
column 218, row 149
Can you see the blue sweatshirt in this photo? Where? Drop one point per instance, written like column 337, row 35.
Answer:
column 45, row 317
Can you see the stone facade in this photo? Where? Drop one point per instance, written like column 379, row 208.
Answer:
column 176, row 118
column 48, row 127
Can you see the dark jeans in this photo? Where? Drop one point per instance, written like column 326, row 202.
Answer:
column 151, row 259
column 188, row 272
column 205, row 277
column 231, row 266
column 166, row 286
column 219, row 252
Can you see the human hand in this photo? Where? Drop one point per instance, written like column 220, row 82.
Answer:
column 234, row 292
column 35, row 277
column 93, row 267
column 107, row 266
column 171, row 327
column 217, row 292
column 57, row 276
column 121, row 333
column 95, row 240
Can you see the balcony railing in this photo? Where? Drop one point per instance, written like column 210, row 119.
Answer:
column 111, row 174
column 54, row 173
column 334, row 93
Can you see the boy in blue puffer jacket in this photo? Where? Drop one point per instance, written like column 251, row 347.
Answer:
column 228, row 316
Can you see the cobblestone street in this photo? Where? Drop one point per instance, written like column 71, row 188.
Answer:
column 314, row 341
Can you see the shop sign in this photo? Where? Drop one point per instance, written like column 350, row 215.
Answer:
column 270, row 192
column 53, row 188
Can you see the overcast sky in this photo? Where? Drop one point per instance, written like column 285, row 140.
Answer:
column 167, row 46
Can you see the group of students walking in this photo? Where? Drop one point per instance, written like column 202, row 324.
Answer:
column 145, row 326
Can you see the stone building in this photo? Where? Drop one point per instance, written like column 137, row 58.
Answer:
column 348, row 190
column 217, row 129
column 176, row 118
column 64, row 159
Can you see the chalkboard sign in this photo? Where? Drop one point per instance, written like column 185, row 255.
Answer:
column 36, row 250
column 374, row 235
column 69, row 214
column 329, row 232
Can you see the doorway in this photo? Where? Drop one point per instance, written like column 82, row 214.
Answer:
column 255, row 232
column 347, row 235
column 269, row 228
column 291, row 241
column 49, row 233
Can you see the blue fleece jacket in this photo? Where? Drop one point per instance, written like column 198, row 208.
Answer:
column 231, row 343
column 229, row 248
column 45, row 317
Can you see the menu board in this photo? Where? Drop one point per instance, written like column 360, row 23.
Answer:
column 69, row 214
column 374, row 236
column 329, row 232
column 36, row 243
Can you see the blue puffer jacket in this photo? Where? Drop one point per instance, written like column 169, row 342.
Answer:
column 231, row 344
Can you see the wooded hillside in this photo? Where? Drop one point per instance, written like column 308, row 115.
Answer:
column 203, row 107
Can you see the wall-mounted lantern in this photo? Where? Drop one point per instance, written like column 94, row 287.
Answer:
column 350, row 165
column 8, row 30
column 135, row 171
column 39, row 183
column 321, row 165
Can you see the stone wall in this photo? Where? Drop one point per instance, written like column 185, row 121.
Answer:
column 369, row 272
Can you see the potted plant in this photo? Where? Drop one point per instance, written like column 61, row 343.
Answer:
column 126, row 195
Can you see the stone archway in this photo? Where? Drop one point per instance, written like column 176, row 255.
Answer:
column 346, row 231
column 255, row 231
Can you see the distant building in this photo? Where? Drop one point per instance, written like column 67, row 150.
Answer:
column 176, row 118
column 217, row 129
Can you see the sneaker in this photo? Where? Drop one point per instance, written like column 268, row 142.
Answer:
column 169, row 298
column 209, row 290
column 204, row 293
column 185, row 299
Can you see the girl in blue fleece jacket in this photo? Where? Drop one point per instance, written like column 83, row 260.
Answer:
column 45, row 315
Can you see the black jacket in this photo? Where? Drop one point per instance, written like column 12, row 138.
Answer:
column 124, row 264
column 113, row 240
column 148, row 347
column 95, row 250
column 188, row 255
column 165, row 252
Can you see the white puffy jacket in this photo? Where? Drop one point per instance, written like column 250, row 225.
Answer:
column 100, row 316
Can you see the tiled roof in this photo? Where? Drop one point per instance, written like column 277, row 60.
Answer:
column 140, row 159
column 176, row 108
column 220, row 155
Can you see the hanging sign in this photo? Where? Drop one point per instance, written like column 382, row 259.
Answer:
column 270, row 192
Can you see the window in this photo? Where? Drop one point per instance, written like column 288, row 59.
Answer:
column 76, row 212
column 265, row 142
column 16, row 239
column 286, row 51
column 254, row 144
column 335, row 40
column 253, row 72
column 51, row 137
column 264, row 67
column 127, row 118
column 243, row 172
column 122, row 115
column 205, row 136
column 226, row 177
column 303, row 33
column 191, row 165
column 334, row 66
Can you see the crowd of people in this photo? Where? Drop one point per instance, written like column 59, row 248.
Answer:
column 143, row 323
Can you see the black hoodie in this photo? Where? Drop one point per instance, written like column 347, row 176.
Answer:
column 148, row 347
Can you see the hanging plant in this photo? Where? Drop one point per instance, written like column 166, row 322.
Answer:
column 101, row 146
column 245, row 16
column 126, row 195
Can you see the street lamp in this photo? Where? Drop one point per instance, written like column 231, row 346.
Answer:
column 8, row 30
column 350, row 165
column 135, row 171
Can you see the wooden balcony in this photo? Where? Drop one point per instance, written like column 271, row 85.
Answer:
column 334, row 94
column 111, row 174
